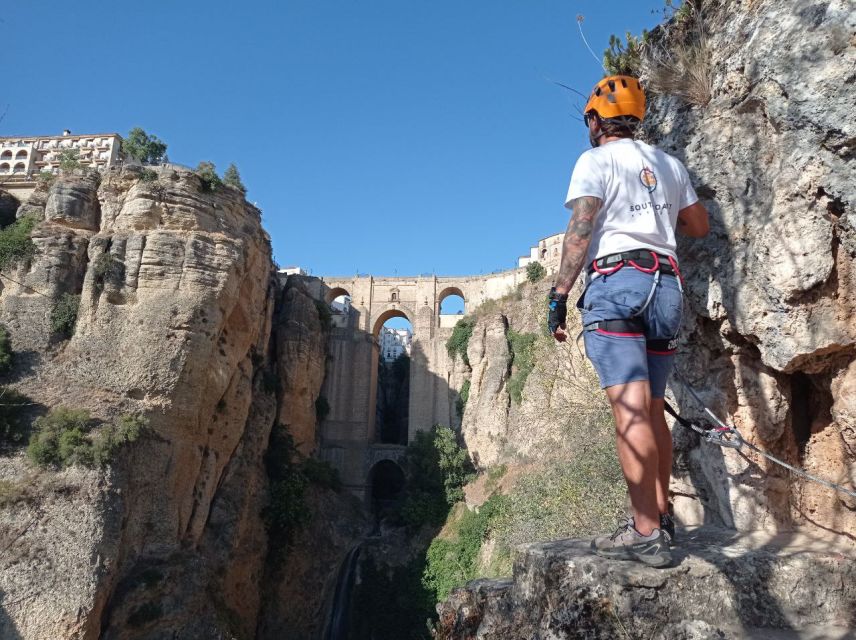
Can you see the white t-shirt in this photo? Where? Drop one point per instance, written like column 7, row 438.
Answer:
column 642, row 188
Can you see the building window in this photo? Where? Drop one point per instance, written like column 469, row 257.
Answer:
column 19, row 168
column 5, row 168
column 6, row 155
column 394, row 297
column 21, row 155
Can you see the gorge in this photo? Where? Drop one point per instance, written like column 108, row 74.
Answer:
column 207, row 427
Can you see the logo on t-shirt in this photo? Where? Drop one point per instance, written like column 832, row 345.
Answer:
column 648, row 179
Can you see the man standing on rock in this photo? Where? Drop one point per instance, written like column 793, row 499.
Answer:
column 627, row 199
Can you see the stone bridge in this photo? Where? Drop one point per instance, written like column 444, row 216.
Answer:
column 348, row 438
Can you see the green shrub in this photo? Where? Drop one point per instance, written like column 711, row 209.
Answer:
column 233, row 179
column 286, row 510
column 522, row 361
column 437, row 469
column 143, row 148
column 325, row 315
column 624, row 59
column 127, row 429
column 463, row 396
column 105, row 265
column 69, row 160
column 16, row 245
column 322, row 408
column 12, row 423
column 207, row 173
column 5, row 351
column 567, row 498
column 460, row 339
column 149, row 175
column 535, row 271
column 46, row 177
column 321, row 473
column 451, row 562
column 64, row 315
column 63, row 438
column 59, row 437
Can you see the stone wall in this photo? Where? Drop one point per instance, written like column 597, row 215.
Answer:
column 769, row 336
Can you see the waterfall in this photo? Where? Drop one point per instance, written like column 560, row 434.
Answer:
column 337, row 625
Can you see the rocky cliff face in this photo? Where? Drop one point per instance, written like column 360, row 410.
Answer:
column 177, row 297
column 559, row 391
column 769, row 339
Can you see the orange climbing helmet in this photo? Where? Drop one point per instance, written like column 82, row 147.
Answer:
column 616, row 97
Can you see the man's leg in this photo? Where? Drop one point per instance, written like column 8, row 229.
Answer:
column 638, row 450
column 663, row 438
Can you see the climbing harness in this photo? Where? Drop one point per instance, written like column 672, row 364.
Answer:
column 645, row 261
column 727, row 436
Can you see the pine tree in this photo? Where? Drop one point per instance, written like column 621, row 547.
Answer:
column 233, row 178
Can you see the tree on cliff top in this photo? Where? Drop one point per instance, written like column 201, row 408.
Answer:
column 142, row 147
column 233, row 178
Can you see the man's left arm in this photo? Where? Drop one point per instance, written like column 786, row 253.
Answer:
column 574, row 249
column 577, row 239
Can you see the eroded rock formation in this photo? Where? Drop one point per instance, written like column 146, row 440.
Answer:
column 175, row 320
column 770, row 335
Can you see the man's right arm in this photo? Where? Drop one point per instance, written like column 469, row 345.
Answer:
column 693, row 221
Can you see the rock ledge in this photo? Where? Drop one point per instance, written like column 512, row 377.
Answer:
column 724, row 584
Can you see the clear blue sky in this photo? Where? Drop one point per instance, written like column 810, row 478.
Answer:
column 379, row 136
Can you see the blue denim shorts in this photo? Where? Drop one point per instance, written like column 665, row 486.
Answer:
column 622, row 357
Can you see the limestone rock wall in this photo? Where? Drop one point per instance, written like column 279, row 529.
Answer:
column 558, row 396
column 769, row 337
column 177, row 300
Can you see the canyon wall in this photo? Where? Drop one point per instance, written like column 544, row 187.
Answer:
column 181, row 321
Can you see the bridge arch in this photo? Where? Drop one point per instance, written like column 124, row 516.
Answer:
column 386, row 481
column 334, row 293
column 388, row 314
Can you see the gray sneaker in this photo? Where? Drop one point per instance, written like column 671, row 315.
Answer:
column 628, row 544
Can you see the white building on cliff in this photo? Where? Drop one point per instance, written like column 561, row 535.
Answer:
column 394, row 342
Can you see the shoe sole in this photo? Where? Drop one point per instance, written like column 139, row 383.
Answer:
column 657, row 560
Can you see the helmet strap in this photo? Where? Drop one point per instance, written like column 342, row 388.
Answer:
column 594, row 140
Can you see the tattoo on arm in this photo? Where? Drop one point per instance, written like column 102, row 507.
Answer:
column 577, row 239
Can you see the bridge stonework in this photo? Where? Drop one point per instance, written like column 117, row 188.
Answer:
column 348, row 439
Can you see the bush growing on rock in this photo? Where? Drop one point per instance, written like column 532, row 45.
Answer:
column 453, row 560
column 207, row 173
column 460, row 339
column 143, row 148
column 535, row 271
column 16, row 245
column 5, row 351
column 64, row 315
column 69, row 160
column 63, row 438
column 59, row 439
column 149, row 175
column 233, row 179
column 521, row 346
column 12, row 422
column 437, row 469
column 105, row 265
column 463, row 396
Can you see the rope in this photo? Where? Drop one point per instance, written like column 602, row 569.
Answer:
column 3, row 275
column 727, row 436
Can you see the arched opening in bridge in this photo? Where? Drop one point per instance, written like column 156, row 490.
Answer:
column 393, row 333
column 386, row 480
column 339, row 300
column 451, row 306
